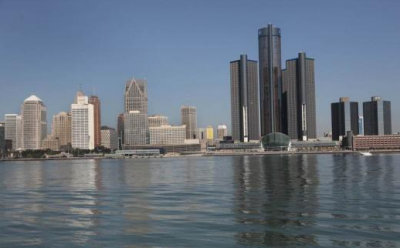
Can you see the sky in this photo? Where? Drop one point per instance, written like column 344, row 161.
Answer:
column 183, row 48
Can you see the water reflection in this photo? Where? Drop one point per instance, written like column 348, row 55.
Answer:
column 277, row 197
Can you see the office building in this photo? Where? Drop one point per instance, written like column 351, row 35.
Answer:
column 109, row 138
column 158, row 120
column 61, row 129
column 82, row 124
column 51, row 143
column 167, row 135
column 120, row 130
column 95, row 101
column 34, row 123
column 298, row 101
column 135, row 128
column 377, row 117
column 189, row 119
column 13, row 130
column 361, row 125
column 136, row 96
column 210, row 133
column 344, row 117
column 2, row 139
column 244, row 100
column 269, row 45
column 222, row 131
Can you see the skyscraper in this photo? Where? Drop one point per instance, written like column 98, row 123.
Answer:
column 157, row 120
column 222, row 131
column 189, row 118
column 95, row 101
column 13, row 130
column 120, row 130
column 34, row 123
column 344, row 118
column 136, row 96
column 269, row 45
column 361, row 125
column 298, row 85
column 61, row 129
column 135, row 128
column 82, row 128
column 244, row 100
column 377, row 117
column 2, row 139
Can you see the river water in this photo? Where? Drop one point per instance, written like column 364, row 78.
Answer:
column 259, row 201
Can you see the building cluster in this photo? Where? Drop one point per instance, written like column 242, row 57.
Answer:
column 268, row 99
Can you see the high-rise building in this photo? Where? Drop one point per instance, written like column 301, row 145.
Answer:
column 109, row 138
column 210, row 133
column 136, row 96
column 269, row 45
column 95, row 101
column 189, row 119
column 2, row 139
column 298, row 101
column 82, row 124
column 361, row 125
column 13, row 130
column 61, row 129
column 34, row 123
column 244, row 100
column 120, row 130
column 135, row 128
column 377, row 117
column 167, row 135
column 222, row 131
column 157, row 120
column 344, row 116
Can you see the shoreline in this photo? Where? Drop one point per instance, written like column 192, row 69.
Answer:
column 209, row 154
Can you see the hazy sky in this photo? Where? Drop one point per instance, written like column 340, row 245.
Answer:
column 183, row 48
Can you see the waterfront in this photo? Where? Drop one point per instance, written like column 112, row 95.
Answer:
column 274, row 201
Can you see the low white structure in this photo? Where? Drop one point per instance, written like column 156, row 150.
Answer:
column 167, row 135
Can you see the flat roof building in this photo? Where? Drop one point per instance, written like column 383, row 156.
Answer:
column 377, row 117
column 344, row 117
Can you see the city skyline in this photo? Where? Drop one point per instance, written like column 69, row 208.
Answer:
column 341, row 55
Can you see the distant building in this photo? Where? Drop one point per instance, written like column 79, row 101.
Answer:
column 34, row 123
column 13, row 130
column 344, row 116
column 269, row 48
column 222, row 131
column 376, row 142
column 120, row 130
column 51, row 142
column 361, row 125
column 377, row 117
column 61, row 129
column 244, row 100
column 189, row 119
column 167, row 135
column 210, row 133
column 109, row 138
column 158, row 120
column 136, row 96
column 135, row 128
column 95, row 101
column 82, row 127
column 2, row 139
column 299, row 117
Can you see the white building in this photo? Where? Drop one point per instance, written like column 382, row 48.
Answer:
column 109, row 138
column 13, row 130
column 222, row 131
column 167, row 135
column 82, row 128
column 61, row 128
column 135, row 128
column 158, row 120
column 34, row 123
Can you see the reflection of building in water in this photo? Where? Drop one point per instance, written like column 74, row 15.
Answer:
column 274, row 197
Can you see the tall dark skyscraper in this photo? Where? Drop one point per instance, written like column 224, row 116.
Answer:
column 269, row 45
column 95, row 101
column 244, row 100
column 298, row 100
column 344, row 118
column 377, row 117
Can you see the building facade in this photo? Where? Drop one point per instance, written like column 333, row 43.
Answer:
column 82, row 124
column 120, row 130
column 377, row 117
column 136, row 96
column 376, row 142
column 222, row 131
column 13, row 130
column 244, row 100
column 269, row 45
column 51, row 143
column 298, row 100
column 109, row 138
column 34, row 123
column 158, row 121
column 344, row 117
column 135, row 128
column 167, row 135
column 210, row 133
column 189, row 119
column 95, row 101
column 2, row 139
column 61, row 129
column 361, row 125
